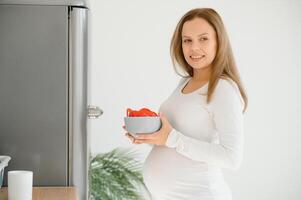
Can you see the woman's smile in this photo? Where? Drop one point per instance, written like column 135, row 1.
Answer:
column 197, row 58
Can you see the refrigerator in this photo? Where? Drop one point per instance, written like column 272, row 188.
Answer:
column 43, row 90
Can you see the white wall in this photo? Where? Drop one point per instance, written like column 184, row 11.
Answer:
column 131, row 67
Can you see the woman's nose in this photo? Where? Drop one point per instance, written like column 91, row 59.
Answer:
column 195, row 46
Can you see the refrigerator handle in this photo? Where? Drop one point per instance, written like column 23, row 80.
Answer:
column 94, row 112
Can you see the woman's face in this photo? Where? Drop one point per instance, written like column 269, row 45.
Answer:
column 198, row 43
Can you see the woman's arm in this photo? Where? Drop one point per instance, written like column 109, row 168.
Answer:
column 226, row 106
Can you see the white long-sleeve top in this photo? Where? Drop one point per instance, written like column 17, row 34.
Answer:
column 217, row 138
column 205, row 138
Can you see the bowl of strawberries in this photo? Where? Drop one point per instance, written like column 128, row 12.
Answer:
column 142, row 121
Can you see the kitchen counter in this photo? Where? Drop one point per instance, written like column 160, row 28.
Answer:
column 47, row 193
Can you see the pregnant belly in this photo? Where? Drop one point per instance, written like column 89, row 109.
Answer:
column 166, row 172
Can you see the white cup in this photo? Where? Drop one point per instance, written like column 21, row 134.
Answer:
column 20, row 185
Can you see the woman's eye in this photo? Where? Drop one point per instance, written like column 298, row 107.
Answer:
column 203, row 39
column 187, row 41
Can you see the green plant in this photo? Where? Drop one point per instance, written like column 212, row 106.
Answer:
column 116, row 175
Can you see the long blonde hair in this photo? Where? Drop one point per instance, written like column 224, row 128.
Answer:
column 223, row 65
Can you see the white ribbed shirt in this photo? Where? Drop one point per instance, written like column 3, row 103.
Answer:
column 204, row 139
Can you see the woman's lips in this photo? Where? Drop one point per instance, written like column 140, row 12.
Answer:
column 196, row 58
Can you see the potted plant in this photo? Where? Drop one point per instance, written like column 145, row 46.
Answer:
column 116, row 175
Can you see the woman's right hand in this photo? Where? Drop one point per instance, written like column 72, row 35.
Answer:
column 131, row 137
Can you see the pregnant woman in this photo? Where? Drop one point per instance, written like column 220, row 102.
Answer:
column 202, row 119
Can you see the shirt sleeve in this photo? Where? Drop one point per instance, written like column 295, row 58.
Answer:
column 226, row 107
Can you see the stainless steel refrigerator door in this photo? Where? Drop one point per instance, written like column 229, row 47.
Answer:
column 81, row 3
column 34, row 91
column 78, row 65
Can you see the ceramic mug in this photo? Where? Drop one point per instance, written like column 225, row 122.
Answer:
column 20, row 185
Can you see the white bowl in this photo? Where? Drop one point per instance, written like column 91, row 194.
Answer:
column 142, row 125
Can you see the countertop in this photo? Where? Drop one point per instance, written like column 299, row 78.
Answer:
column 47, row 193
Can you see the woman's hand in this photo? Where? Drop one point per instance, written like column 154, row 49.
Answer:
column 157, row 138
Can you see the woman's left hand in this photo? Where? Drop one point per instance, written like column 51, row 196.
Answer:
column 157, row 138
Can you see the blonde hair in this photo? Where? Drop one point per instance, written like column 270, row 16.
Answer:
column 223, row 65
